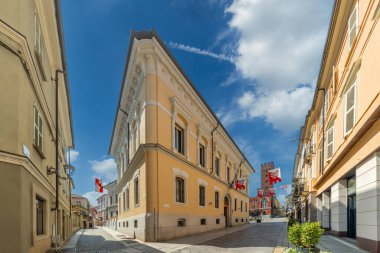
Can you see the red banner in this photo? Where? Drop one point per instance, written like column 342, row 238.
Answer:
column 274, row 176
column 98, row 185
column 259, row 193
column 240, row 184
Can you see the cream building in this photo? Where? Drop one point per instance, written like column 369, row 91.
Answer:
column 32, row 55
column 336, row 174
column 176, row 162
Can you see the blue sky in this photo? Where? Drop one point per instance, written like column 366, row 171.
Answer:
column 255, row 62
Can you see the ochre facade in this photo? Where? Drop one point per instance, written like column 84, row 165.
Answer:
column 173, row 154
column 336, row 173
column 31, row 50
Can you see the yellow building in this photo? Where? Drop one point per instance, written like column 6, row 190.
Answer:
column 176, row 162
column 336, row 173
column 35, row 211
column 80, row 212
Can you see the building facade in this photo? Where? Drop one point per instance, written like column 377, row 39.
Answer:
column 81, row 211
column 35, row 127
column 176, row 162
column 266, row 201
column 111, row 208
column 101, row 209
column 336, row 174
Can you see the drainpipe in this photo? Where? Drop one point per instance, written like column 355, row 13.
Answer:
column 323, row 130
column 56, row 142
column 212, row 148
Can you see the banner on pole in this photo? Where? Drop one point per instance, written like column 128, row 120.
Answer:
column 274, row 176
column 98, row 185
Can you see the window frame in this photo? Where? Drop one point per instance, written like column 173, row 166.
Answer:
column 180, row 147
column 330, row 142
column 353, row 108
column 217, row 166
column 179, row 195
column 354, row 27
column 38, row 137
column 40, row 215
column 202, row 155
column 136, row 186
column 202, row 197
column 216, row 199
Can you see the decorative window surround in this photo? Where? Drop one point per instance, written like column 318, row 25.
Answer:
column 184, row 175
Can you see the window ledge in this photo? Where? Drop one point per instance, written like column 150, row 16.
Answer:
column 39, row 151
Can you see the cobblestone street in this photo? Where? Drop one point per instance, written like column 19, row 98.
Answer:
column 262, row 237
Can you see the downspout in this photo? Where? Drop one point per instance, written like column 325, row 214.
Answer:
column 56, row 142
column 323, row 129
column 212, row 147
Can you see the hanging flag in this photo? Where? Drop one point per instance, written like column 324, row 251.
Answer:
column 274, row 176
column 98, row 185
column 272, row 191
column 284, row 186
column 240, row 184
column 259, row 193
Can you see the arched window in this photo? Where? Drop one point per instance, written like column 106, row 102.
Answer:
column 264, row 203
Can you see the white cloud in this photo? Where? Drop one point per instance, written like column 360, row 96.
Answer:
column 201, row 51
column 92, row 196
column 105, row 169
column 73, row 155
column 279, row 48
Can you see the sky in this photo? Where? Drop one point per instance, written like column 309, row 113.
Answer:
column 255, row 62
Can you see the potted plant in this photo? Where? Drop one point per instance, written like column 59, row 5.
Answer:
column 306, row 236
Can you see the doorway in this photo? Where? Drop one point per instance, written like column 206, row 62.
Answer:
column 351, row 207
column 227, row 211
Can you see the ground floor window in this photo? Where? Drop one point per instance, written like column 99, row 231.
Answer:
column 39, row 216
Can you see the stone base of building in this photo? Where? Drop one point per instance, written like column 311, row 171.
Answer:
column 369, row 245
column 169, row 227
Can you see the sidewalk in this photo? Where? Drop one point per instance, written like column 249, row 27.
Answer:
column 334, row 244
column 70, row 245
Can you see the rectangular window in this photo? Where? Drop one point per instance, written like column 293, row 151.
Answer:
column 135, row 224
column 327, row 101
column 201, row 155
column 180, row 190
column 38, row 45
column 330, row 142
column 217, row 221
column 137, row 195
column 179, row 139
column 320, row 123
column 203, row 221
column 127, row 200
column 39, row 216
column 181, row 222
column 320, row 156
column 246, row 207
column 216, row 199
column 235, row 204
column 349, row 108
column 241, row 206
column 38, row 137
column 228, row 174
column 217, row 169
column 202, row 191
column 352, row 26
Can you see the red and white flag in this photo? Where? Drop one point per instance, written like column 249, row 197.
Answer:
column 284, row 186
column 274, row 176
column 260, row 193
column 272, row 191
column 98, row 185
column 240, row 184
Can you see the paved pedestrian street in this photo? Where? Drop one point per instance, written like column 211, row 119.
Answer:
column 254, row 237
